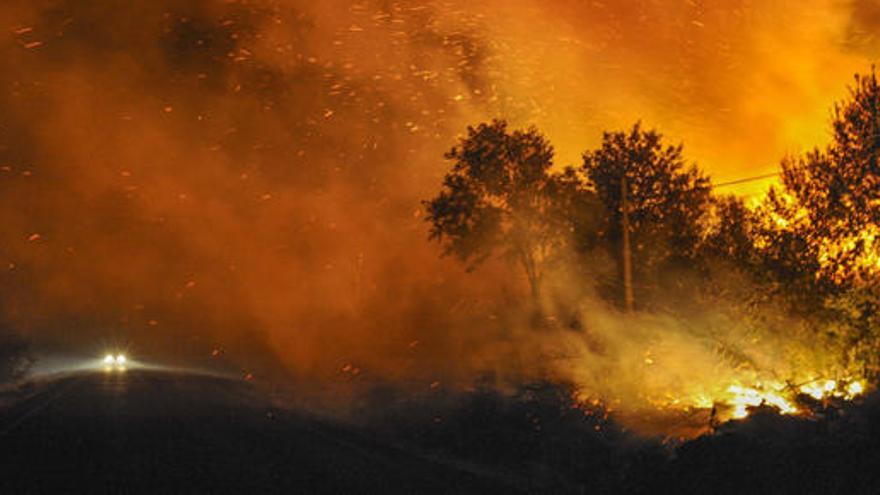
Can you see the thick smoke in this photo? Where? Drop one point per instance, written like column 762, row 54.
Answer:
column 190, row 176
column 185, row 176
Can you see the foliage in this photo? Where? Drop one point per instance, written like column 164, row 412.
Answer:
column 729, row 234
column 501, row 196
column 781, row 237
column 809, row 248
column 855, row 322
column 665, row 196
column 800, row 267
column 838, row 189
column 667, row 200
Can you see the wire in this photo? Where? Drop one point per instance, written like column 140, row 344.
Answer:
column 747, row 179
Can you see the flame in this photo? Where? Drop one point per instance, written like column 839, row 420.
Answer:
column 856, row 388
column 819, row 389
column 864, row 248
column 774, row 394
column 742, row 398
column 780, row 396
column 737, row 401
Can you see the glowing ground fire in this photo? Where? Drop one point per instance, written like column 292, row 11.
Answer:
column 738, row 401
column 778, row 395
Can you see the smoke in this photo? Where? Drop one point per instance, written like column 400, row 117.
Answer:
column 245, row 176
column 242, row 175
column 861, row 28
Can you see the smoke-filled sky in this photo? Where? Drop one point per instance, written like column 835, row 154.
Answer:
column 246, row 174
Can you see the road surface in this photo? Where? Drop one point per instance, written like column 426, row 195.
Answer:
column 157, row 432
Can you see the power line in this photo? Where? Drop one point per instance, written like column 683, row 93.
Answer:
column 747, row 179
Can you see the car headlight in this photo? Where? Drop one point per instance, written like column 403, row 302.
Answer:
column 120, row 359
column 109, row 359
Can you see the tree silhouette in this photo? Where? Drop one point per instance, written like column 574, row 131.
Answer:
column 500, row 196
column 730, row 237
column 838, row 188
column 666, row 199
column 785, row 254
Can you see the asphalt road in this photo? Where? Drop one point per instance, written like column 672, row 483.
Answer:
column 157, row 432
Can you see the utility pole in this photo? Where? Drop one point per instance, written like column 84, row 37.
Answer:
column 627, row 252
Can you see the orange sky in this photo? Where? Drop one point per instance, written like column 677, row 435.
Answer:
column 740, row 82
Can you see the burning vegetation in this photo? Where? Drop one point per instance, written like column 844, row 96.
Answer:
column 715, row 305
column 261, row 184
column 201, row 175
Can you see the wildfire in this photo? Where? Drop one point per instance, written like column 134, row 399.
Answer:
column 863, row 246
column 856, row 388
column 737, row 401
column 818, row 390
column 824, row 389
column 740, row 399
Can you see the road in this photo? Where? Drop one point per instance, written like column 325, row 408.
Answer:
column 158, row 432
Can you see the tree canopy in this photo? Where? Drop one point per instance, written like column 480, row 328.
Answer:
column 808, row 248
column 666, row 201
column 836, row 191
column 666, row 197
column 501, row 196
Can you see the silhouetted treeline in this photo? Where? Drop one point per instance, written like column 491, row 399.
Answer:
column 808, row 247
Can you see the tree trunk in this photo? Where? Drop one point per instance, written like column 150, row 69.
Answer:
column 627, row 251
column 534, row 277
column 535, row 285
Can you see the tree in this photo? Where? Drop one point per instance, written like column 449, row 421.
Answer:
column 782, row 235
column 501, row 196
column 665, row 199
column 818, row 233
column 838, row 189
column 854, row 323
column 730, row 236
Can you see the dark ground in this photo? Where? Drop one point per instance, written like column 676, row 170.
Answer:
column 556, row 446
column 155, row 432
column 160, row 432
